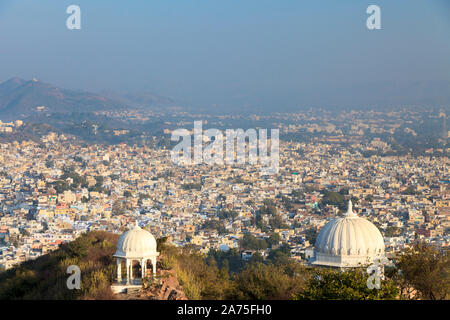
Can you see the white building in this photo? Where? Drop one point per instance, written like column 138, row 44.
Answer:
column 347, row 242
column 134, row 245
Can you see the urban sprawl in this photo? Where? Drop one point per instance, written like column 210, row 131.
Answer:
column 55, row 189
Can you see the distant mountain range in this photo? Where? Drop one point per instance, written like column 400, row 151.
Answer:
column 21, row 99
column 33, row 99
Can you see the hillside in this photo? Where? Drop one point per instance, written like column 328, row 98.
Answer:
column 20, row 99
column 45, row 277
column 184, row 273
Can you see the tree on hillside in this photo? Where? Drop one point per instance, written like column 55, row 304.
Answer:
column 217, row 225
column 276, row 222
column 230, row 259
column 268, row 208
column 274, row 239
column 250, row 242
column 117, row 208
column 259, row 282
column 199, row 279
column 334, row 199
column 227, row 214
column 327, row 284
column 426, row 270
column 311, row 235
column 280, row 256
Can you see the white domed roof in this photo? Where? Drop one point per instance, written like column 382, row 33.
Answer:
column 348, row 241
column 136, row 243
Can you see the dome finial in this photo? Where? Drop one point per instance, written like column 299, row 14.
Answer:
column 350, row 212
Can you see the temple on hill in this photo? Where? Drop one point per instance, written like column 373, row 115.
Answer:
column 135, row 248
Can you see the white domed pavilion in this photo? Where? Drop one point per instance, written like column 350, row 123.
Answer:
column 347, row 242
column 139, row 245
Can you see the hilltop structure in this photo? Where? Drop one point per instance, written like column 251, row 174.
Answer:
column 347, row 242
column 139, row 245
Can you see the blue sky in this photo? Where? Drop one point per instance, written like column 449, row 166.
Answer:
column 231, row 52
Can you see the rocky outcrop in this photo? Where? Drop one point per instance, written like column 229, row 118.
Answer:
column 166, row 287
column 170, row 289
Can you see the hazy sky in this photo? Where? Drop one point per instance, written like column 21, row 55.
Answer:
column 231, row 52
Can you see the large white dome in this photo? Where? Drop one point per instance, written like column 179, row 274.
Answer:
column 136, row 243
column 348, row 242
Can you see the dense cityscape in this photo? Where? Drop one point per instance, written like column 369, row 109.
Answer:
column 56, row 188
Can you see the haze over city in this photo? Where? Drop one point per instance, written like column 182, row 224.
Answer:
column 266, row 54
